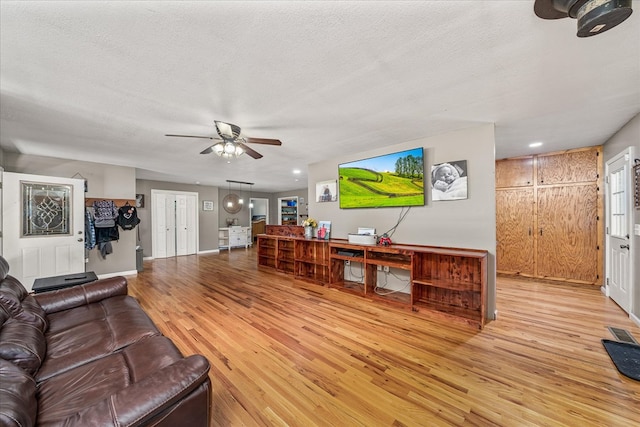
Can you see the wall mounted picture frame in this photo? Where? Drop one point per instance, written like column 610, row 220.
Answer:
column 327, row 191
column 207, row 205
column 449, row 181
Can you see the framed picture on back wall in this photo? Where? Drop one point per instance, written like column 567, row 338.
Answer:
column 326, row 191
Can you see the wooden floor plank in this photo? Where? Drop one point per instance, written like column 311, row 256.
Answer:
column 287, row 352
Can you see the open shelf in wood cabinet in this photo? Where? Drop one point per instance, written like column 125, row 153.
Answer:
column 447, row 284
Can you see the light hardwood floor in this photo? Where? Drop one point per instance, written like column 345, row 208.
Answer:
column 287, row 352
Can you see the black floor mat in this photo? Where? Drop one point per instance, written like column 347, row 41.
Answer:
column 625, row 356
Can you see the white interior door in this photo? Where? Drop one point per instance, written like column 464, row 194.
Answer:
column 618, row 229
column 186, row 224
column 43, row 226
column 163, row 218
column 175, row 219
column 170, row 221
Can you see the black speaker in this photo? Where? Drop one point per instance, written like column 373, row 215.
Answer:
column 594, row 16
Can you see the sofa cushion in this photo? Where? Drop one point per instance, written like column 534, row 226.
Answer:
column 10, row 301
column 88, row 341
column 64, row 395
column 18, row 406
column 32, row 312
column 62, row 320
column 22, row 344
column 12, row 285
column 15, row 300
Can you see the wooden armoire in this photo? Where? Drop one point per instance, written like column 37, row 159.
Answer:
column 549, row 216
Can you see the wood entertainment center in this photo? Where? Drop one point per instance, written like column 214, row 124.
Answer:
column 446, row 282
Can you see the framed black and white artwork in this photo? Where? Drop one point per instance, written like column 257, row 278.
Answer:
column 449, row 181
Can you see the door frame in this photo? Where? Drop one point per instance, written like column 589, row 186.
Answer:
column 280, row 199
column 628, row 154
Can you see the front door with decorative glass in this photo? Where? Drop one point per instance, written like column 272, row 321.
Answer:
column 43, row 226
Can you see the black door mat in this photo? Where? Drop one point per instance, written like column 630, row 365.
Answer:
column 625, row 356
column 622, row 335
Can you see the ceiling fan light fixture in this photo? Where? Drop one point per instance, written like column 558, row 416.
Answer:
column 229, row 148
column 593, row 16
column 218, row 148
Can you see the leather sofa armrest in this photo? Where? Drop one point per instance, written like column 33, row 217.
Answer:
column 147, row 398
column 76, row 296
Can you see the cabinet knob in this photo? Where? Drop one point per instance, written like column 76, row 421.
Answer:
column 624, row 246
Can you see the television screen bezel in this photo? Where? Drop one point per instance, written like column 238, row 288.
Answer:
column 390, row 154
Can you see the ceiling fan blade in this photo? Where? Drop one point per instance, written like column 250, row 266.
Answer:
column 264, row 141
column 190, row 136
column 207, row 150
column 249, row 151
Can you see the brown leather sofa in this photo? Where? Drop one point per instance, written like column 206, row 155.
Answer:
column 90, row 356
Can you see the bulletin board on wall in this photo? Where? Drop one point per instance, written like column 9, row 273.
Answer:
column 636, row 185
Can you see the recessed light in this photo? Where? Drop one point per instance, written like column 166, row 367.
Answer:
column 296, row 171
column 535, row 144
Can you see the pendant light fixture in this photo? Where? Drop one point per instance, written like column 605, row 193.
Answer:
column 231, row 202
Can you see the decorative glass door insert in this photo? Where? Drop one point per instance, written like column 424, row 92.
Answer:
column 46, row 209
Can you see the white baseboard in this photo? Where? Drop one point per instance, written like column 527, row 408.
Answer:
column 635, row 319
column 119, row 273
column 210, row 251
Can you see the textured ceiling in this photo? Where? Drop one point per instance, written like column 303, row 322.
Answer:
column 104, row 81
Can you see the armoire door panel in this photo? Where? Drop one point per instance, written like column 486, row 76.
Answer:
column 514, row 226
column 516, row 172
column 567, row 232
column 571, row 167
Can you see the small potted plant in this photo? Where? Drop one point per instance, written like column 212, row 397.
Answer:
column 309, row 224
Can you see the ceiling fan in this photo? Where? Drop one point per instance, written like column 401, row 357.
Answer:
column 231, row 143
column 594, row 16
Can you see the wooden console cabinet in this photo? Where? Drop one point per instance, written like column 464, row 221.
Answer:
column 306, row 259
column 445, row 282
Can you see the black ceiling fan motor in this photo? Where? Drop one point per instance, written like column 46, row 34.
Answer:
column 594, row 16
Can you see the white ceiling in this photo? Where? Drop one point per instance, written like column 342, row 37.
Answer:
column 104, row 81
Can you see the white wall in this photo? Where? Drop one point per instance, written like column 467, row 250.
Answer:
column 469, row 223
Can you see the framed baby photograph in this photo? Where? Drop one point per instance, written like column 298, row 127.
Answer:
column 449, row 181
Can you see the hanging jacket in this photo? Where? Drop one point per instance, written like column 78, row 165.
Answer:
column 89, row 230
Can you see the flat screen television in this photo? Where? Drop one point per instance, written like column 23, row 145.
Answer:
column 390, row 180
